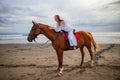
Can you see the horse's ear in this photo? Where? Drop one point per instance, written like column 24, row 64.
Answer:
column 34, row 22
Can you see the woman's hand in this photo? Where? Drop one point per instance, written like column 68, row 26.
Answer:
column 51, row 28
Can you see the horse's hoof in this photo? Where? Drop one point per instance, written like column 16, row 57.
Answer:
column 60, row 74
column 92, row 64
column 80, row 66
column 58, row 69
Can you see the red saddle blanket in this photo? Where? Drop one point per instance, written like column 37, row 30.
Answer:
column 77, row 36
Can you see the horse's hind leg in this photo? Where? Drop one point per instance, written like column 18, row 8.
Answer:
column 91, row 54
column 82, row 54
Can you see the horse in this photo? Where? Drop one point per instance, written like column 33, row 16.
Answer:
column 60, row 44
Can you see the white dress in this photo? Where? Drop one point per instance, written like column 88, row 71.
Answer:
column 69, row 29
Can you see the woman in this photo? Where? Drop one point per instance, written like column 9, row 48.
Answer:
column 61, row 25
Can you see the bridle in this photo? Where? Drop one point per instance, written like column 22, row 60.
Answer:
column 35, row 36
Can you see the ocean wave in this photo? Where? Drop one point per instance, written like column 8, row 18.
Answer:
column 107, row 34
column 10, row 37
column 100, row 37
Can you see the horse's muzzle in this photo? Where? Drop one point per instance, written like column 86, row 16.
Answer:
column 29, row 39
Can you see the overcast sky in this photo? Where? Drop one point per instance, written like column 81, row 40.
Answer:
column 89, row 15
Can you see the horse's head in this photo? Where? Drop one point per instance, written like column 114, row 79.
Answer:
column 34, row 32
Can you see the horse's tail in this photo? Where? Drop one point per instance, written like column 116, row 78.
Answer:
column 94, row 43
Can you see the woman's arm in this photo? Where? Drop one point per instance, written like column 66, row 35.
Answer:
column 57, row 29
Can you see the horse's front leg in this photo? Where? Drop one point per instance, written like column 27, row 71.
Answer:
column 60, row 60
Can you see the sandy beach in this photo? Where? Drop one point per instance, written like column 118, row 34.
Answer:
column 30, row 62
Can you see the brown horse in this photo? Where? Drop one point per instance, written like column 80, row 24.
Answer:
column 60, row 44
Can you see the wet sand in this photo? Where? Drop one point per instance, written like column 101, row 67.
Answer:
column 30, row 62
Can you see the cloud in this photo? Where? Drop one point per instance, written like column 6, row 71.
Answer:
column 79, row 13
column 116, row 2
column 107, row 14
column 3, row 28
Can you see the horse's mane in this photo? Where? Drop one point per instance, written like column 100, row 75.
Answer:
column 48, row 27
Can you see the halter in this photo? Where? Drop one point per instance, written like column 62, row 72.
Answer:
column 35, row 36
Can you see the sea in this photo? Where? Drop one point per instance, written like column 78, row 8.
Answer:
column 21, row 38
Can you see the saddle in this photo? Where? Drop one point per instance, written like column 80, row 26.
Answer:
column 65, row 35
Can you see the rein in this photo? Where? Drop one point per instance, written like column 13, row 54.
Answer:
column 44, row 45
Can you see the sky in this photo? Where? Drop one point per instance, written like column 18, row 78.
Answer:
column 90, row 15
